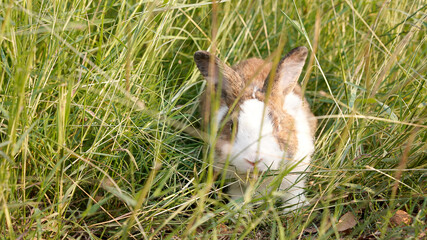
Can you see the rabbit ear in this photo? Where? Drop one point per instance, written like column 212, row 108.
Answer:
column 289, row 68
column 230, row 80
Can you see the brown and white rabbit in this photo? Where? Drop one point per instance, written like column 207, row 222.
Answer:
column 271, row 132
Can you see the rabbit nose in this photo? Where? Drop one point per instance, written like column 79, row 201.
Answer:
column 253, row 163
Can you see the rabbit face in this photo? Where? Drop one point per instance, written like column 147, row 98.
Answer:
column 260, row 126
column 254, row 144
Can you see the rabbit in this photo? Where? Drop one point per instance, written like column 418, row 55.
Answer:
column 267, row 128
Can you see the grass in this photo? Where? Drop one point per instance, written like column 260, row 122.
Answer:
column 99, row 117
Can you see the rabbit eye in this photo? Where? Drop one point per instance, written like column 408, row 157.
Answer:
column 231, row 126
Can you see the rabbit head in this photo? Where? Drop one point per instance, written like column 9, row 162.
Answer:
column 262, row 125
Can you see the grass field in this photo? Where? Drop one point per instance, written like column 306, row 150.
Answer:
column 100, row 125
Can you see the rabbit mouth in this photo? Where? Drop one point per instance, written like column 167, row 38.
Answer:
column 253, row 164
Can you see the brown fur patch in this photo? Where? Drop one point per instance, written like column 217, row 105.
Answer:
column 254, row 71
column 284, row 126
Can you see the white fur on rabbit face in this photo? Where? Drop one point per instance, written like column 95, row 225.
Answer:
column 254, row 143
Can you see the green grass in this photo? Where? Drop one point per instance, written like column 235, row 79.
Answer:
column 99, row 117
